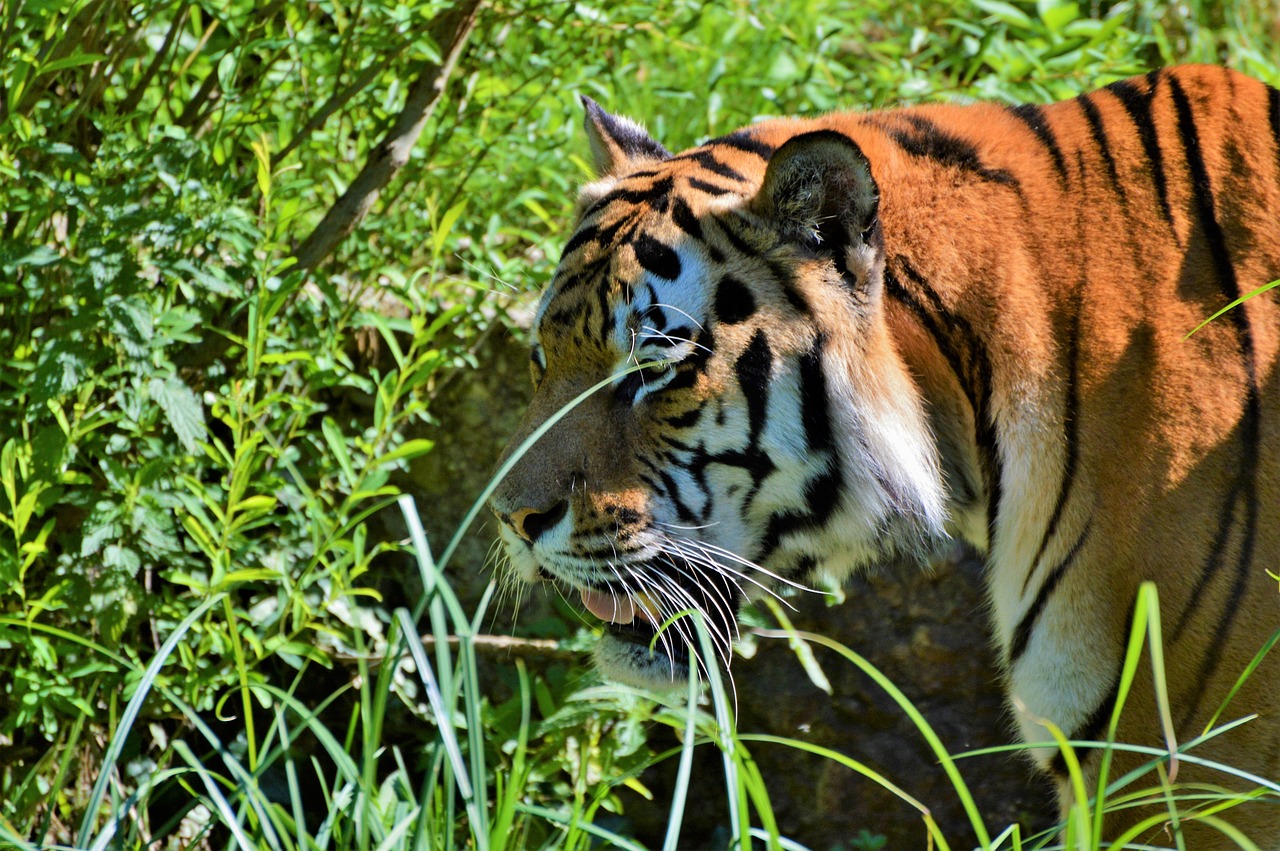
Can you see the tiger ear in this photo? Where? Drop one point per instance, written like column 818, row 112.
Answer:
column 819, row 192
column 618, row 144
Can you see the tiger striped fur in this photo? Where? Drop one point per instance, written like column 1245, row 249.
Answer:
column 868, row 335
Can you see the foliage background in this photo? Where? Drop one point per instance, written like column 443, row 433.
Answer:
column 196, row 437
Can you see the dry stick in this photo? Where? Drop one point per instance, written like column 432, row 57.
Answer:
column 533, row 649
column 449, row 30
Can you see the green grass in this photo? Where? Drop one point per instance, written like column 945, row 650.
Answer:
column 457, row 795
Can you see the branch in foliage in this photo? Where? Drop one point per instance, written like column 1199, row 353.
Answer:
column 336, row 102
column 449, row 30
column 508, row 645
column 134, row 97
column 539, row 649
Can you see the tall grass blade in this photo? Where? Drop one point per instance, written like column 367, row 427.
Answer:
column 595, row 830
column 921, row 724
column 934, row 832
column 229, row 818
column 739, row 818
column 1244, row 676
column 130, row 714
column 685, row 769
column 1241, row 300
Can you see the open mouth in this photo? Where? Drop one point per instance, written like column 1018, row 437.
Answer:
column 648, row 635
column 636, row 619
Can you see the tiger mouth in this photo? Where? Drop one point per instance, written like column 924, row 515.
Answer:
column 634, row 619
column 657, row 638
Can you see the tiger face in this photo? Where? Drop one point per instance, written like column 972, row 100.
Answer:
column 724, row 411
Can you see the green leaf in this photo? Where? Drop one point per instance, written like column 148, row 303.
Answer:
column 338, row 446
column 181, row 408
column 410, row 449
column 444, row 227
column 1058, row 15
column 70, row 62
column 1007, row 13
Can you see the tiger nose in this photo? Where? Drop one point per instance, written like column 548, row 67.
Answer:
column 530, row 523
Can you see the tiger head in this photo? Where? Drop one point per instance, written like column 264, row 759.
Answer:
column 719, row 410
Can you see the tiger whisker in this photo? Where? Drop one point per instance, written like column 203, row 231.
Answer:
column 734, row 557
column 685, row 528
column 721, row 643
column 655, row 334
column 692, row 550
column 683, row 313
column 721, row 602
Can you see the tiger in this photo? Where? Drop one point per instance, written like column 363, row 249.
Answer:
column 817, row 345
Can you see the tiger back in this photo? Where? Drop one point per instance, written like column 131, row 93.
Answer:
column 816, row 345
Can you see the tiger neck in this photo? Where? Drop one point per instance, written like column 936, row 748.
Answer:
column 992, row 383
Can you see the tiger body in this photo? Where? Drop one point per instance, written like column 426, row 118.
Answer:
column 881, row 332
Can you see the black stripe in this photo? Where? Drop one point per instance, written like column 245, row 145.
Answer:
column 685, row 219
column 754, row 368
column 975, row 378
column 647, row 195
column 586, row 274
column 782, row 276
column 1099, row 134
column 686, row 420
column 1138, row 104
column 1273, row 102
column 583, row 236
column 1244, row 491
column 741, row 140
column 707, row 159
column 608, row 235
column 657, row 258
column 709, row 188
column 1213, row 562
column 814, row 408
column 821, row 497
column 1033, row 116
column 734, row 301
column 894, row 289
column 931, row 142
column 736, row 240
column 756, row 463
column 683, row 512
column 1070, row 430
column 1022, row 632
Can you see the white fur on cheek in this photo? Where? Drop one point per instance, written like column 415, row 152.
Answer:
column 523, row 563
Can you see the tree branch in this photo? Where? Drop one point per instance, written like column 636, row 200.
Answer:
column 450, row 30
column 336, row 102
column 533, row 649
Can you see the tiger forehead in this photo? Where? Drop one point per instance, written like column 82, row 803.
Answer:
column 642, row 293
column 694, row 181
column 639, row 264
column 655, row 275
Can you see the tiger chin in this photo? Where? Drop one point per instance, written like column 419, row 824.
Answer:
column 821, row 344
